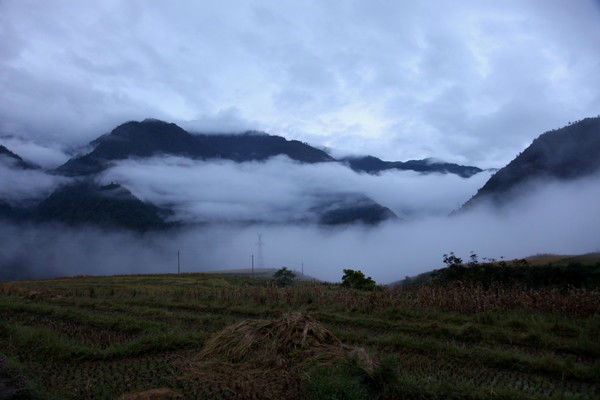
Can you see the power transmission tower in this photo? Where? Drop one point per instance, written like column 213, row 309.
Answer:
column 259, row 252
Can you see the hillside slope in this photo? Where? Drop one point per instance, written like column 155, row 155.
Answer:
column 564, row 154
column 111, row 205
column 153, row 137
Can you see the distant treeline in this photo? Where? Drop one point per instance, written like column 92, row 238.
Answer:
column 519, row 272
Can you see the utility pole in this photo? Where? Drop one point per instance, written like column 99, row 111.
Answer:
column 178, row 264
column 302, row 267
column 252, row 263
column 259, row 254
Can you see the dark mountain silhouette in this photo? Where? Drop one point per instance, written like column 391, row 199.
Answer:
column 259, row 146
column 349, row 208
column 374, row 165
column 14, row 159
column 85, row 203
column 114, row 206
column 153, row 137
column 567, row 153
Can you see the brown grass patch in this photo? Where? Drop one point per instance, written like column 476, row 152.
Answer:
column 264, row 359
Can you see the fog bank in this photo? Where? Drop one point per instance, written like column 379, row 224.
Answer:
column 280, row 189
column 22, row 186
column 555, row 217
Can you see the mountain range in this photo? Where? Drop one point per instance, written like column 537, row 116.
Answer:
column 83, row 201
column 87, row 202
column 563, row 154
column 152, row 137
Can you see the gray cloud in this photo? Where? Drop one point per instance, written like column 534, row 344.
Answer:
column 224, row 121
column 472, row 82
column 25, row 186
column 280, row 189
column 47, row 155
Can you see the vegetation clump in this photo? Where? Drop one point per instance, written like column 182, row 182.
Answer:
column 573, row 273
column 357, row 280
column 284, row 277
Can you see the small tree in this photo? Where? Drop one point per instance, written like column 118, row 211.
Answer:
column 451, row 260
column 357, row 280
column 474, row 260
column 283, row 277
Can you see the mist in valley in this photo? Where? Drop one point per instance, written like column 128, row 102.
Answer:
column 223, row 200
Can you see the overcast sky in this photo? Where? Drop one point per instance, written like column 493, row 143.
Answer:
column 469, row 81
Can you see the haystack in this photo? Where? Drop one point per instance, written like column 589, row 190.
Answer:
column 264, row 359
column 279, row 340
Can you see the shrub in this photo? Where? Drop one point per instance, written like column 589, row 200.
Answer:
column 283, row 277
column 357, row 280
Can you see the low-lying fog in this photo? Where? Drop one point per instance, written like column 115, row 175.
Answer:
column 552, row 217
column 25, row 186
column 280, row 189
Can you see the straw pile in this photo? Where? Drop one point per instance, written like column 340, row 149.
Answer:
column 265, row 358
column 294, row 335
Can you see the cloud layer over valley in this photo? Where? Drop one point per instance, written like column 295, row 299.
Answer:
column 280, row 189
column 21, row 186
column 567, row 224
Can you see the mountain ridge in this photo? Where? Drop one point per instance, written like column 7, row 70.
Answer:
column 152, row 137
column 373, row 165
column 107, row 206
column 84, row 201
column 570, row 152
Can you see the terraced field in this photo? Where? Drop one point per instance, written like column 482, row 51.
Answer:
column 101, row 337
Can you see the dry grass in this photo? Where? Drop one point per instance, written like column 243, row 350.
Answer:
column 276, row 339
column 265, row 358
column 469, row 297
column 457, row 296
column 101, row 337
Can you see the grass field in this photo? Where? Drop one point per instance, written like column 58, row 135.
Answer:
column 101, row 337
